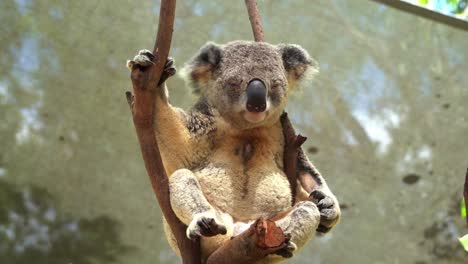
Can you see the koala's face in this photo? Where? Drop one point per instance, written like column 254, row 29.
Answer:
column 248, row 82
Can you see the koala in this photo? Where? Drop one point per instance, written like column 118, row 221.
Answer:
column 225, row 155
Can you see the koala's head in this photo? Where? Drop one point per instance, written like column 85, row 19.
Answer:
column 248, row 82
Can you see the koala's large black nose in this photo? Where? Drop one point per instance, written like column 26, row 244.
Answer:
column 256, row 96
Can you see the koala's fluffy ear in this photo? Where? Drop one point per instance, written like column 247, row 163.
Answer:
column 298, row 64
column 199, row 70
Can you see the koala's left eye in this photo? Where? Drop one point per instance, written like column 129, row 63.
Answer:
column 234, row 84
column 276, row 84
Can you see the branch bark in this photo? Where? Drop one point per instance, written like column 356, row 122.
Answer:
column 292, row 143
column 142, row 105
column 261, row 239
column 255, row 20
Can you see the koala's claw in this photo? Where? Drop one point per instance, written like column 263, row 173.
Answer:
column 205, row 226
column 329, row 213
column 323, row 229
column 169, row 70
column 288, row 251
column 141, row 61
column 144, row 59
column 326, row 202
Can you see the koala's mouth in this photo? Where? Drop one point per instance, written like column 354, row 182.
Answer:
column 255, row 117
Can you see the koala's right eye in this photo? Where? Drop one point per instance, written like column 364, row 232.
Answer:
column 234, row 84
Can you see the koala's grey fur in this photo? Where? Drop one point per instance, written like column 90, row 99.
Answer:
column 225, row 162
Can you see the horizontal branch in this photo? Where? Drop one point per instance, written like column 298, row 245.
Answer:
column 426, row 13
column 261, row 239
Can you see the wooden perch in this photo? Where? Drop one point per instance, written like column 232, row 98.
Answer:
column 142, row 105
column 261, row 239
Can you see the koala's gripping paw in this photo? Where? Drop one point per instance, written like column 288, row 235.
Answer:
column 288, row 251
column 141, row 61
column 205, row 225
column 169, row 70
column 329, row 211
column 144, row 59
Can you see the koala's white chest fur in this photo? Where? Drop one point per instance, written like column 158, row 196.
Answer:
column 243, row 176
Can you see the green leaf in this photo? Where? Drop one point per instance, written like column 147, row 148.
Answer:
column 464, row 241
column 423, row 2
column 463, row 208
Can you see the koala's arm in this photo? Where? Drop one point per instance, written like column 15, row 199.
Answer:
column 182, row 136
column 313, row 187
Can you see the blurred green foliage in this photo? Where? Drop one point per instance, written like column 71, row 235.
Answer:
column 453, row 7
column 33, row 230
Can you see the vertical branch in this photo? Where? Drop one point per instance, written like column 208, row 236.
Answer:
column 142, row 104
column 255, row 20
column 292, row 143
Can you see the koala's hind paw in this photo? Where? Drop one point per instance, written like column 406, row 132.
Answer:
column 329, row 211
column 207, row 226
column 288, row 251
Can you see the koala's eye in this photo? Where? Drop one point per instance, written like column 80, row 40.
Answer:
column 234, row 83
column 276, row 84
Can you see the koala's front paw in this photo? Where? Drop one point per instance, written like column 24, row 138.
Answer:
column 169, row 70
column 205, row 225
column 329, row 210
column 141, row 61
column 144, row 59
column 288, row 251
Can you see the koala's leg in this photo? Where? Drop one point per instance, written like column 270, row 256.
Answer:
column 301, row 223
column 192, row 207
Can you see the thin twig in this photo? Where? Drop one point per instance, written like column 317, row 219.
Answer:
column 426, row 13
column 255, row 20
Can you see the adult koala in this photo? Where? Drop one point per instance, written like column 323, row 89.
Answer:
column 225, row 156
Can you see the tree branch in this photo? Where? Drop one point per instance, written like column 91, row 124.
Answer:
column 255, row 20
column 261, row 239
column 426, row 13
column 292, row 143
column 142, row 105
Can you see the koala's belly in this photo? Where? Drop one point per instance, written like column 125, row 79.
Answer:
column 246, row 193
